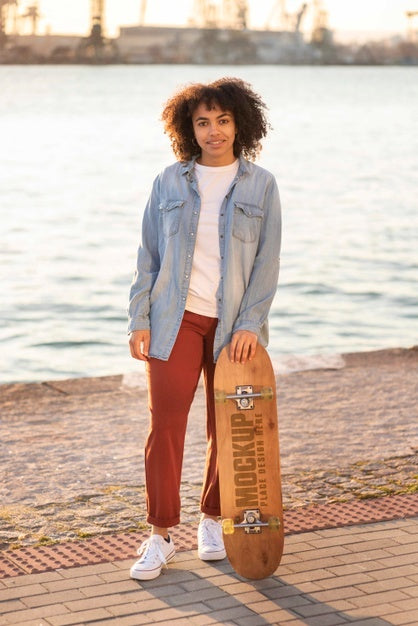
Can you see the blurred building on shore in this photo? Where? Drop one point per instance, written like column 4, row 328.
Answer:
column 210, row 38
column 148, row 44
column 154, row 44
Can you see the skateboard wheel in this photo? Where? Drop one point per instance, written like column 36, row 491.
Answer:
column 267, row 393
column 220, row 396
column 228, row 526
column 274, row 523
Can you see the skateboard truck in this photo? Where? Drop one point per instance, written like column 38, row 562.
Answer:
column 252, row 523
column 245, row 399
column 244, row 396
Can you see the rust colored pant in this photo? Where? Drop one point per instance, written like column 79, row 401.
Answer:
column 171, row 388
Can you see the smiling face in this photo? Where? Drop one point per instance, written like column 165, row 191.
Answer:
column 215, row 131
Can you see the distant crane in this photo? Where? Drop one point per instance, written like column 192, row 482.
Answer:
column 8, row 13
column 142, row 12
column 33, row 15
column 299, row 16
column 96, row 47
column 97, row 10
column 224, row 14
column 279, row 15
column 412, row 33
column 235, row 14
column 285, row 20
column 205, row 14
column 320, row 30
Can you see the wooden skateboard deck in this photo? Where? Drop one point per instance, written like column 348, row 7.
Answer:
column 249, row 464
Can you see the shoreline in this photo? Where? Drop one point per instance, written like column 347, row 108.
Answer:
column 282, row 365
column 72, row 450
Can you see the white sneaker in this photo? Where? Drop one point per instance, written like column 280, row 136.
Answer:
column 209, row 540
column 154, row 553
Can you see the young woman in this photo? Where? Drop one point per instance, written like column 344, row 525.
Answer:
column 206, row 275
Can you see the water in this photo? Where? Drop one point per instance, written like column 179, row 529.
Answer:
column 80, row 146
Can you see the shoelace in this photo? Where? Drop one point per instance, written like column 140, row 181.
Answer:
column 149, row 550
column 210, row 534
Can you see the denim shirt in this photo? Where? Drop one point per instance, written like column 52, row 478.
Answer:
column 249, row 241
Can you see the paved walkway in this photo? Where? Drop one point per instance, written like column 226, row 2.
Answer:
column 363, row 575
column 70, row 469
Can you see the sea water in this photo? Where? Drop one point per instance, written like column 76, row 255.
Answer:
column 80, row 147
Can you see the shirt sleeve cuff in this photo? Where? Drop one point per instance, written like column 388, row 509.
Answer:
column 138, row 323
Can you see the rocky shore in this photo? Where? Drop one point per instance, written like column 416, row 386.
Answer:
column 72, row 451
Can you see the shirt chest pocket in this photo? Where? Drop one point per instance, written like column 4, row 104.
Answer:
column 170, row 213
column 247, row 221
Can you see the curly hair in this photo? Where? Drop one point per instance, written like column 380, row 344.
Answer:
column 230, row 94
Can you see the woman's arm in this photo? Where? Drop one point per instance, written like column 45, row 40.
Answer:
column 148, row 266
column 139, row 342
column 242, row 346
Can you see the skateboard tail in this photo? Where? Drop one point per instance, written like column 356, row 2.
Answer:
column 268, row 553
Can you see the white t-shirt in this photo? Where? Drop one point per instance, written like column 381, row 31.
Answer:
column 213, row 183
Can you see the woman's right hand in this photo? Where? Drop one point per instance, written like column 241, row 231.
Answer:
column 139, row 341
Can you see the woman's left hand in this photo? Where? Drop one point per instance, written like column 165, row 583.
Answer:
column 242, row 347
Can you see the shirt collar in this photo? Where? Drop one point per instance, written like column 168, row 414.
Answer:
column 243, row 167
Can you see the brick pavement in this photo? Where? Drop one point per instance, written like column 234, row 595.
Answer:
column 363, row 575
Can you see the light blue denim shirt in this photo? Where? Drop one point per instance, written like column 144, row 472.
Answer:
column 249, row 240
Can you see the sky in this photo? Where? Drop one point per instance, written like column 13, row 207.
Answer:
column 345, row 16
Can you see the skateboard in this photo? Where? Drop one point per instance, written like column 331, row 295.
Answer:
column 249, row 464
